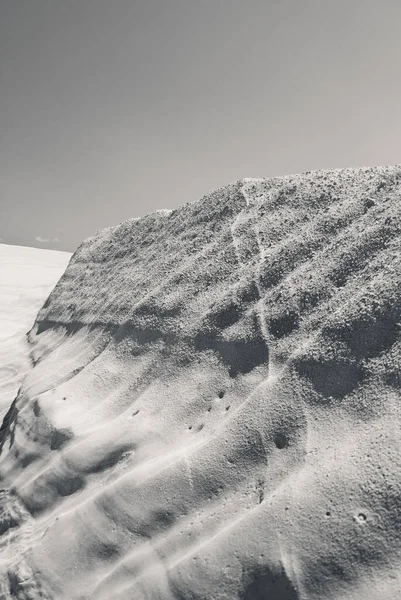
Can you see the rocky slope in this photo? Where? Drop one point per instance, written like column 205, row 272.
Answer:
column 214, row 407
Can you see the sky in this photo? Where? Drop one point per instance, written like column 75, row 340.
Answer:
column 114, row 109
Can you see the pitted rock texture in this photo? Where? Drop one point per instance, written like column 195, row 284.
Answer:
column 214, row 406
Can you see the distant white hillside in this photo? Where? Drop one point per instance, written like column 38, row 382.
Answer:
column 27, row 276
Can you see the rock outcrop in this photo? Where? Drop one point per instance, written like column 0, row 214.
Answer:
column 214, row 408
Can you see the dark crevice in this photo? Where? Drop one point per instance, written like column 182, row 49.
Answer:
column 9, row 419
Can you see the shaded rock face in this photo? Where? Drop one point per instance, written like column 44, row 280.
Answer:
column 214, row 410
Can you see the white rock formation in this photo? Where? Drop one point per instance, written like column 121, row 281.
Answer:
column 214, row 410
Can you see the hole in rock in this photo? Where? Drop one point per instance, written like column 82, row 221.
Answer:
column 369, row 203
column 280, row 440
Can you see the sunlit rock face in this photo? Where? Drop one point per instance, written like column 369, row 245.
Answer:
column 213, row 410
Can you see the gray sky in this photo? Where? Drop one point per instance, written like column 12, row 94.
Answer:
column 110, row 109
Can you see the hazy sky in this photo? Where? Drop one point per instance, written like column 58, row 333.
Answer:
column 110, row 109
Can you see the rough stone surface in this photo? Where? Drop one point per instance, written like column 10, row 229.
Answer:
column 214, row 410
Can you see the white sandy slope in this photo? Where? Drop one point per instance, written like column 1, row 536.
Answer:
column 214, row 410
column 27, row 276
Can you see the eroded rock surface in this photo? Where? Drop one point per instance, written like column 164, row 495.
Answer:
column 214, row 410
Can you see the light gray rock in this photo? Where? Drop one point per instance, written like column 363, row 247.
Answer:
column 214, row 410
